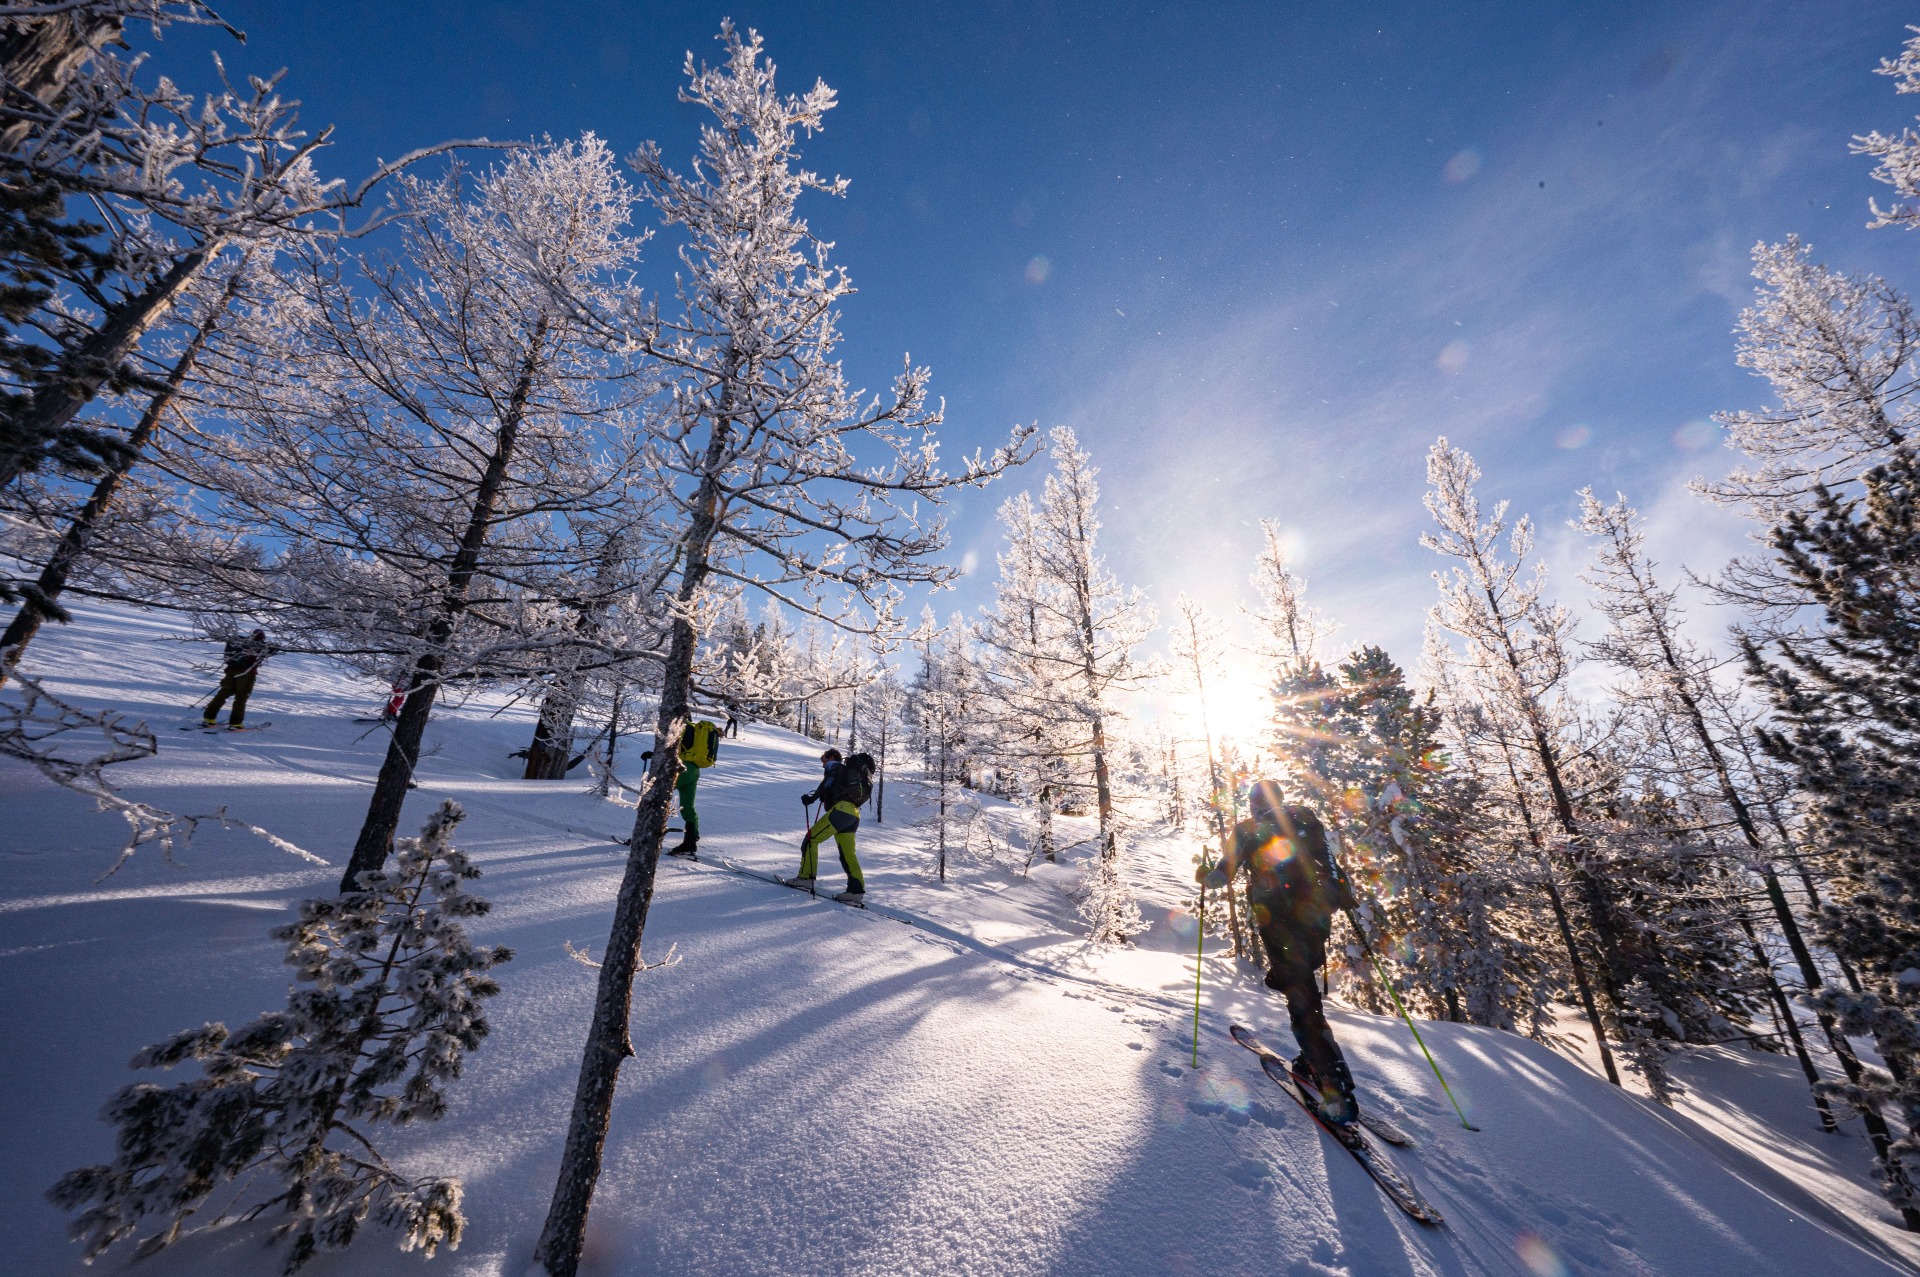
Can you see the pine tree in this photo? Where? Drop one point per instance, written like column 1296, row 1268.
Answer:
column 386, row 1006
column 1847, row 701
column 1698, row 734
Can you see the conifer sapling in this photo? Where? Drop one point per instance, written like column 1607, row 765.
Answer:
column 387, row 1003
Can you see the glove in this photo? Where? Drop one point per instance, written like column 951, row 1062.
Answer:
column 1214, row 878
column 808, row 797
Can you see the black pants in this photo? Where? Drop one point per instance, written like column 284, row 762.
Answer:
column 238, row 683
column 1296, row 950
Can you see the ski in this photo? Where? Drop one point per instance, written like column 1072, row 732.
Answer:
column 1392, row 1181
column 222, row 727
column 1372, row 1121
column 778, row 881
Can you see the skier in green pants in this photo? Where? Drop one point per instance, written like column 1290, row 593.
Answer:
column 843, row 787
column 699, row 749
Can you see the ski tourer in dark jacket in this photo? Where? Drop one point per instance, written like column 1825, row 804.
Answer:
column 243, row 658
column 1294, row 886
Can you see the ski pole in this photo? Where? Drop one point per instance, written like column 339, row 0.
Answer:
column 806, row 814
column 1378, row 970
column 1199, row 955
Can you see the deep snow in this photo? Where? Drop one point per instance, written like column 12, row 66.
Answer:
column 822, row 1091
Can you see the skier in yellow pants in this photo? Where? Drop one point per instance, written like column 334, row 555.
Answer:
column 843, row 787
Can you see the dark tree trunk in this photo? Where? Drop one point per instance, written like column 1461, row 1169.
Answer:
column 609, row 1041
column 552, row 746
column 41, row 57
column 1582, row 985
column 88, row 366
column 375, row 842
column 41, row 601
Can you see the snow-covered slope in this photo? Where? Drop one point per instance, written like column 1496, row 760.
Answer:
column 823, row 1091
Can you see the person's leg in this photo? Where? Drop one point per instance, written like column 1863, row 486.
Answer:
column 689, row 781
column 1295, row 955
column 810, row 847
column 242, row 688
column 846, row 819
column 212, row 712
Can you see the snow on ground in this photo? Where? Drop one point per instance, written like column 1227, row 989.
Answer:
column 824, row 1091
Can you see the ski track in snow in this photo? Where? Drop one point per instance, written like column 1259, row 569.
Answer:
column 822, row 1091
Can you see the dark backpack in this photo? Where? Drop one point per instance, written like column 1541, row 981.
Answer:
column 856, row 779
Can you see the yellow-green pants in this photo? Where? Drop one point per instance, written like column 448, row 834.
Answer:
column 839, row 820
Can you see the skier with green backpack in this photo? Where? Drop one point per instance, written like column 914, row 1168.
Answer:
column 699, row 749
column 843, row 787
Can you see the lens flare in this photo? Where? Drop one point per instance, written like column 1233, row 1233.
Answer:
column 1453, row 357
column 1572, row 437
column 1230, row 1091
column 1462, row 166
column 1693, row 436
column 1540, row 1258
column 1038, row 269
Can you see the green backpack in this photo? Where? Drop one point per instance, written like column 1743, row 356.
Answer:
column 700, row 744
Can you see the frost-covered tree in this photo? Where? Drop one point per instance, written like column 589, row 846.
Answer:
column 61, row 83
column 386, row 1006
column 1289, row 631
column 944, row 705
column 1847, row 704
column 1838, row 351
column 1018, row 682
column 109, row 536
column 1898, row 153
column 774, row 473
column 1063, row 634
column 402, row 501
column 176, row 180
column 1510, row 656
column 1696, row 732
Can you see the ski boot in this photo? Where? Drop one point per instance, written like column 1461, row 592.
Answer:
column 1333, row 1100
column 800, row 881
column 852, row 897
column 689, row 848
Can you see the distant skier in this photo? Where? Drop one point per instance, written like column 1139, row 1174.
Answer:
column 699, row 749
column 843, row 787
column 1295, row 886
column 243, row 659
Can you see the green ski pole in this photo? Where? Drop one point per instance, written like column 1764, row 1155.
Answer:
column 1367, row 948
column 1199, row 952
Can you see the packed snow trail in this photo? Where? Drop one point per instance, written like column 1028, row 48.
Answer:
column 816, row 1091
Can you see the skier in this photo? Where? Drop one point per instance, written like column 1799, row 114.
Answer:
column 1295, row 886
column 699, row 749
column 843, row 787
column 243, row 658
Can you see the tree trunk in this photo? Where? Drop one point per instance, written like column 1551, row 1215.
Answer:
column 375, row 842
column 40, row 604
column 41, row 57
column 87, row 367
column 1581, row 984
column 552, row 745
column 608, row 1039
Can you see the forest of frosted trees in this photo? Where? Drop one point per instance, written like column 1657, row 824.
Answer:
column 424, row 422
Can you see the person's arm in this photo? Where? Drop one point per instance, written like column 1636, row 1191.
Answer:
column 1222, row 871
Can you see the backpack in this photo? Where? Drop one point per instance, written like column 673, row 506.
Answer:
column 1307, row 878
column 700, row 744
column 856, row 779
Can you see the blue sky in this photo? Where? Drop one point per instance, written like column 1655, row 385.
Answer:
column 1259, row 255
